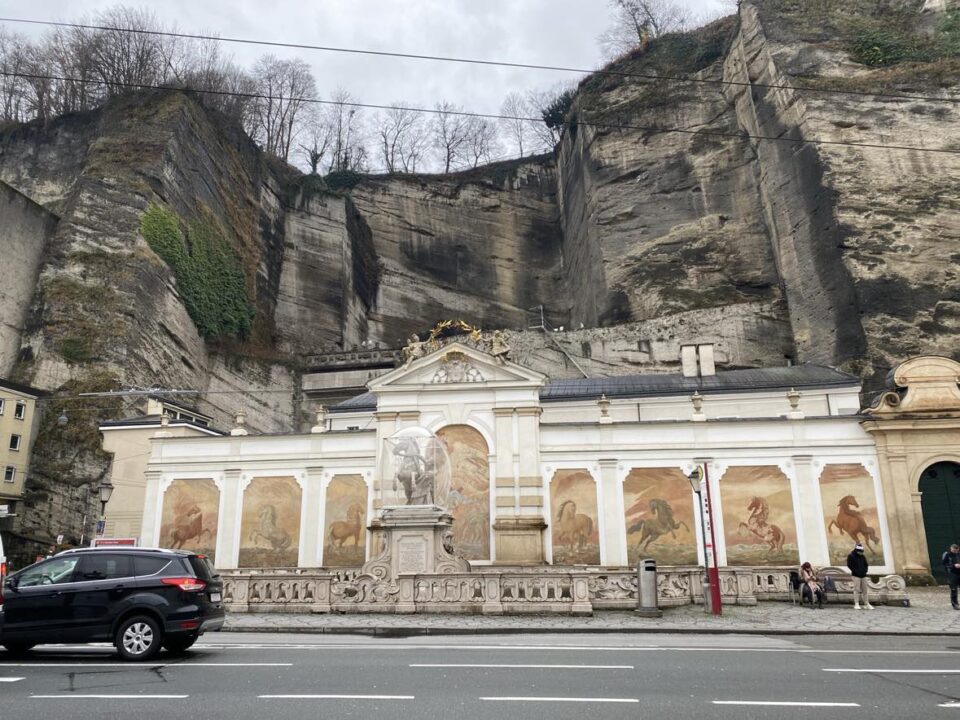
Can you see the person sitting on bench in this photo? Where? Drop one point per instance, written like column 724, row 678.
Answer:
column 811, row 585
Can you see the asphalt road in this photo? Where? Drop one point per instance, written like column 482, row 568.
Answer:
column 537, row 676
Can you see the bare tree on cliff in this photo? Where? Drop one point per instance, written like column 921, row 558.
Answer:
column 347, row 133
column 282, row 88
column 551, row 107
column 636, row 21
column 402, row 138
column 122, row 58
column 483, row 142
column 450, row 132
column 517, row 113
column 319, row 137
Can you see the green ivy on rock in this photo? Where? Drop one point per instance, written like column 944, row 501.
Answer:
column 209, row 273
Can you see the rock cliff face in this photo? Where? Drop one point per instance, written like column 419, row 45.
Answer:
column 671, row 212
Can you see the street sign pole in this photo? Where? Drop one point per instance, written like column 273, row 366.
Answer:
column 713, row 571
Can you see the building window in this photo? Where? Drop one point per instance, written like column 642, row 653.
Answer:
column 20, row 411
column 9, row 473
column 14, row 442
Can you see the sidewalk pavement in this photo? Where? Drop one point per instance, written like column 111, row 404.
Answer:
column 929, row 614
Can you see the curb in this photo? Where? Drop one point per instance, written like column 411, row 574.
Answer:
column 398, row 632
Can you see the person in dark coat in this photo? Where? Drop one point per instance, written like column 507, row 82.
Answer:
column 857, row 563
column 951, row 565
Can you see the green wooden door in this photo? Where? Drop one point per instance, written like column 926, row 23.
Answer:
column 940, row 500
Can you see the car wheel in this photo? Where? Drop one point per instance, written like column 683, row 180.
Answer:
column 138, row 638
column 178, row 645
column 16, row 648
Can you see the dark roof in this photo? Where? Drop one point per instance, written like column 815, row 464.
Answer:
column 25, row 389
column 630, row 386
column 752, row 380
column 358, row 403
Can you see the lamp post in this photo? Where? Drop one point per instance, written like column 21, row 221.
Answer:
column 106, row 490
column 698, row 479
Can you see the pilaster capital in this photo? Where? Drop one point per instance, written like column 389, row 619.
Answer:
column 385, row 415
column 802, row 460
column 529, row 411
column 607, row 463
column 503, row 412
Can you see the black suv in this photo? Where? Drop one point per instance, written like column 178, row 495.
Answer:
column 136, row 598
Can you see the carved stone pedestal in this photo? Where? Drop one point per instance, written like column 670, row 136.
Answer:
column 519, row 540
column 414, row 540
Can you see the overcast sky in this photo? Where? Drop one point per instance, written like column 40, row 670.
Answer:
column 544, row 32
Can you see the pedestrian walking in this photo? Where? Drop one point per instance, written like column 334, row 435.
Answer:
column 951, row 565
column 857, row 563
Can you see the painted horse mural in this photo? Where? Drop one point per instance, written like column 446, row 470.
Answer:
column 572, row 528
column 268, row 530
column 758, row 526
column 852, row 523
column 662, row 522
column 342, row 530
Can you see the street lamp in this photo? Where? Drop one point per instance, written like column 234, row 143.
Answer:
column 711, row 576
column 106, row 490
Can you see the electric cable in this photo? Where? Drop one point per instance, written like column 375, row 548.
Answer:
column 479, row 61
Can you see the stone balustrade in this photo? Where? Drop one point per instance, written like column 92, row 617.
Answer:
column 575, row 591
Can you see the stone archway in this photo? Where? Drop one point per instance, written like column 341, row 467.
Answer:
column 940, row 503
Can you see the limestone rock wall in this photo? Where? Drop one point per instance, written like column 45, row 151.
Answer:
column 23, row 238
column 481, row 245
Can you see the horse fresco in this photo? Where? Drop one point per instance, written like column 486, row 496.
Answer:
column 343, row 530
column 571, row 526
column 659, row 516
column 573, row 497
column 268, row 530
column 189, row 516
column 851, row 522
column 270, row 523
column 662, row 522
column 758, row 516
column 757, row 524
column 850, row 512
column 345, row 514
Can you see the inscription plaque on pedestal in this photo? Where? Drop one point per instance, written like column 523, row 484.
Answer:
column 412, row 556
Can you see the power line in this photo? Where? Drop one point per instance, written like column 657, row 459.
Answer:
column 479, row 61
column 652, row 130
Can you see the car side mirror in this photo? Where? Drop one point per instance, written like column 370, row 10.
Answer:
column 11, row 583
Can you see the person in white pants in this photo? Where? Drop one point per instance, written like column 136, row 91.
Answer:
column 857, row 563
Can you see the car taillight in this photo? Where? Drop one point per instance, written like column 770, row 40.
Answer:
column 187, row 584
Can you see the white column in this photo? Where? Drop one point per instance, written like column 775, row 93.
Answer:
column 152, row 507
column 310, row 519
column 810, row 514
column 613, row 521
column 228, row 531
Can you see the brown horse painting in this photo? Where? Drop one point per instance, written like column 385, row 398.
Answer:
column 572, row 527
column 342, row 530
column 851, row 522
column 757, row 525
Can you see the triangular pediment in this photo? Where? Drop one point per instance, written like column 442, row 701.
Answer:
column 457, row 365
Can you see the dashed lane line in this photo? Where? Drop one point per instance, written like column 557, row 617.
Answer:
column 73, row 696
column 785, row 703
column 530, row 667
column 336, row 697
column 560, row 699
column 145, row 666
column 10, row 679
column 889, row 671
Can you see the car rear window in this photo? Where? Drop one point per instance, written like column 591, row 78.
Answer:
column 201, row 567
column 150, row 565
column 102, row 566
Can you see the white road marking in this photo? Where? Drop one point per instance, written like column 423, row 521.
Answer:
column 953, row 704
column 585, row 648
column 561, row 699
column 336, row 697
column 73, row 696
column 534, row 667
column 784, row 703
column 138, row 666
column 10, row 679
column 886, row 671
